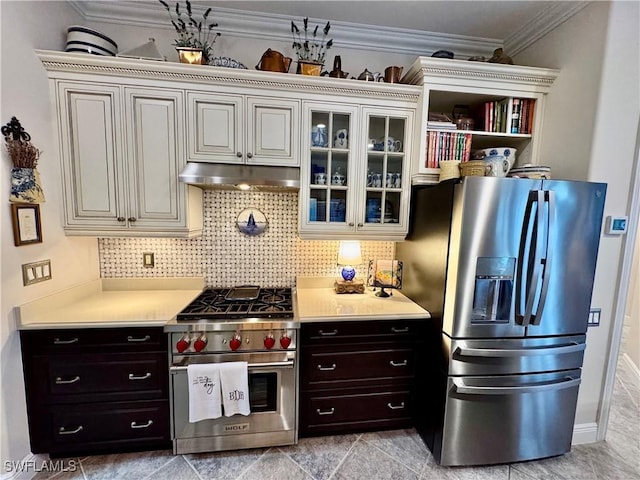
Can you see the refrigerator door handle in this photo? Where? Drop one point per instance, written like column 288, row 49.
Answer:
column 538, row 261
column 550, row 197
column 523, row 352
column 527, row 239
column 461, row 387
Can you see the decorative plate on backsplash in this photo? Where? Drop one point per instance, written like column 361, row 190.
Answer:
column 251, row 221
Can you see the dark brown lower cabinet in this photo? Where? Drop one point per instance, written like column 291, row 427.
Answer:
column 95, row 391
column 359, row 376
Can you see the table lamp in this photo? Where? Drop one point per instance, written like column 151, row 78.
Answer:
column 349, row 255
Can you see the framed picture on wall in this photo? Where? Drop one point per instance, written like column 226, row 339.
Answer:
column 25, row 218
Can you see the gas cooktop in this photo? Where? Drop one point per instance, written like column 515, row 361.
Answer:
column 223, row 304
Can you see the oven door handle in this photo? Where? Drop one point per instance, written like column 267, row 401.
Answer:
column 251, row 366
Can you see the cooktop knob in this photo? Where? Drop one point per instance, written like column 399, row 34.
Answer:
column 183, row 344
column 200, row 343
column 235, row 342
column 269, row 342
column 285, row 341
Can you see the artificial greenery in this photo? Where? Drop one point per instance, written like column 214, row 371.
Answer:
column 310, row 48
column 191, row 32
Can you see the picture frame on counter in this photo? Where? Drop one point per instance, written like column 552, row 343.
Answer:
column 25, row 218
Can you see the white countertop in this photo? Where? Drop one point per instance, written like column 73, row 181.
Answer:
column 111, row 303
column 317, row 301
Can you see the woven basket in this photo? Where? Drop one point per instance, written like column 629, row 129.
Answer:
column 473, row 168
column 449, row 169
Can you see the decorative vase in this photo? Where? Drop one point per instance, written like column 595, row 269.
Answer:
column 309, row 68
column 26, row 186
column 193, row 56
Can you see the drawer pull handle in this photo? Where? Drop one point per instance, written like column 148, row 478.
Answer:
column 57, row 341
column 399, row 330
column 328, row 334
column 396, row 407
column 138, row 339
column 399, row 364
column 62, row 430
column 60, row 381
column 327, row 369
column 146, row 425
column 139, row 377
column 326, row 412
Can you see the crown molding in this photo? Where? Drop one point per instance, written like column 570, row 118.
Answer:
column 538, row 27
column 265, row 27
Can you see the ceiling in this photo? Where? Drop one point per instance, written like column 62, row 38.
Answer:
column 469, row 27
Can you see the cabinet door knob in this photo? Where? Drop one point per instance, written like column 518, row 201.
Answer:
column 249, row 155
column 60, row 381
column 326, row 412
column 360, row 225
column 351, row 224
column 121, row 219
column 139, row 377
column 399, row 364
column 143, row 425
column 239, row 154
column 63, row 431
column 132, row 219
column 396, row 407
column 327, row 369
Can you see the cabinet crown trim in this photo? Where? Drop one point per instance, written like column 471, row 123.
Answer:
column 57, row 63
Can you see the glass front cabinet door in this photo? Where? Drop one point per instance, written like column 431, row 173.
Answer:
column 354, row 179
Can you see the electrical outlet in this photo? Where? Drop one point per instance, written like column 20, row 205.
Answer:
column 36, row 272
column 148, row 259
column 594, row 317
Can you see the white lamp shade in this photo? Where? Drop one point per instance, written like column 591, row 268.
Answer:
column 349, row 253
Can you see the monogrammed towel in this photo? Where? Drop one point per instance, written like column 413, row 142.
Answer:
column 204, row 391
column 234, row 378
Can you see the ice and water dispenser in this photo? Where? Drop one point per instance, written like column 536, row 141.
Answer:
column 493, row 289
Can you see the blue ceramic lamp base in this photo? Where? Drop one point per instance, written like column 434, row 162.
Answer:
column 348, row 273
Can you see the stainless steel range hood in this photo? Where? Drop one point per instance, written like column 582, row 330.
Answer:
column 228, row 176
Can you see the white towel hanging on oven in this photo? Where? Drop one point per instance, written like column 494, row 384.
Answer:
column 204, row 391
column 234, row 379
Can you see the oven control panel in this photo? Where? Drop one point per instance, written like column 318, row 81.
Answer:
column 233, row 341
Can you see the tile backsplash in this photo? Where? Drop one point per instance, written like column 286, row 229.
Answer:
column 225, row 256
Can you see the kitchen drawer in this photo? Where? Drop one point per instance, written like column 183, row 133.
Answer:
column 325, row 333
column 335, row 412
column 93, row 340
column 99, row 377
column 91, row 428
column 353, row 367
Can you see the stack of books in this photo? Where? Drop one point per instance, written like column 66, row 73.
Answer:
column 447, row 146
column 509, row 115
column 440, row 125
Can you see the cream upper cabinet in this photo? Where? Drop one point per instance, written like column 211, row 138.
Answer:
column 121, row 151
column 227, row 128
column 497, row 105
column 355, row 172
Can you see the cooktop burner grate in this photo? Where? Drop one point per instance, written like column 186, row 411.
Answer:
column 211, row 304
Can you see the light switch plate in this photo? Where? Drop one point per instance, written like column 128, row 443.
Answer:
column 616, row 225
column 148, row 259
column 36, row 272
column 594, row 317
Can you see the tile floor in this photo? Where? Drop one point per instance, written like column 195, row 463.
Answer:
column 397, row 455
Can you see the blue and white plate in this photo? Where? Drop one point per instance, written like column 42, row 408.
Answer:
column 226, row 62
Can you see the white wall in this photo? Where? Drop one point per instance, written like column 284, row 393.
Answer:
column 590, row 133
column 26, row 26
column 631, row 334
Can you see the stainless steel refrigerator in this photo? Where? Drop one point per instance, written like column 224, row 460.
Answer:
column 506, row 268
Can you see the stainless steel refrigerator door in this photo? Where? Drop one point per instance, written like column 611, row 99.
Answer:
column 571, row 228
column 486, row 229
column 514, row 355
column 504, row 419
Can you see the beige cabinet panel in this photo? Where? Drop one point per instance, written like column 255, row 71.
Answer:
column 272, row 131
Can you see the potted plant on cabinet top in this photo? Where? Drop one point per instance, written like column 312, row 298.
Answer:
column 195, row 38
column 311, row 49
